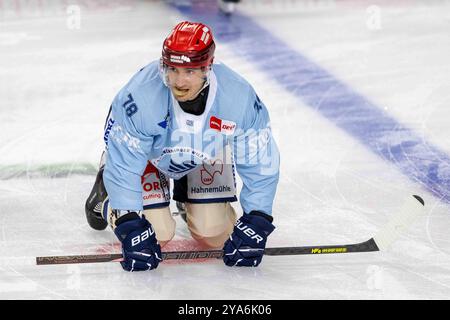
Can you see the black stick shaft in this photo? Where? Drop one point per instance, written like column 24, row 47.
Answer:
column 367, row 246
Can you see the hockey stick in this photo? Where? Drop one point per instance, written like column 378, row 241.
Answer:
column 411, row 209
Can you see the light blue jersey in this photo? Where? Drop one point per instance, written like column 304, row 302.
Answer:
column 147, row 124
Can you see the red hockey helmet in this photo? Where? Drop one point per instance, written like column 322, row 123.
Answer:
column 189, row 45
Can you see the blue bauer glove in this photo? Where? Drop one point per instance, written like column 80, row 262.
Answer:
column 141, row 251
column 246, row 244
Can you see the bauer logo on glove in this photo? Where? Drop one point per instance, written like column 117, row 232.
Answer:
column 249, row 231
column 245, row 247
column 142, row 237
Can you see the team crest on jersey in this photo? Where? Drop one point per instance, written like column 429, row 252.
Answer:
column 179, row 161
column 224, row 126
column 185, row 166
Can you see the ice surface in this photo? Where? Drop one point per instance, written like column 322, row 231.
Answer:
column 58, row 80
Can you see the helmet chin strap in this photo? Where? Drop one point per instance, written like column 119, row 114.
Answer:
column 206, row 81
column 205, row 84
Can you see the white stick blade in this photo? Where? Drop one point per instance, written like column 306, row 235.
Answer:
column 411, row 209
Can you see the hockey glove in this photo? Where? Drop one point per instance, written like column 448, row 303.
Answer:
column 246, row 244
column 141, row 251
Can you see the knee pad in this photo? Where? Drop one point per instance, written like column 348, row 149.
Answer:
column 210, row 223
column 163, row 223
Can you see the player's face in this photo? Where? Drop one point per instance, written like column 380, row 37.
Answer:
column 185, row 83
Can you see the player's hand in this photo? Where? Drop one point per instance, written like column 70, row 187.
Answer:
column 141, row 251
column 246, row 244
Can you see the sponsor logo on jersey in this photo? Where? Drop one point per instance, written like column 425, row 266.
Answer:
column 215, row 123
column 149, row 169
column 154, row 184
column 217, row 189
column 109, row 125
column 121, row 136
column 208, row 172
column 149, row 184
column 224, row 126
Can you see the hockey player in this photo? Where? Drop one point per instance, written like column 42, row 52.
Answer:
column 195, row 122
